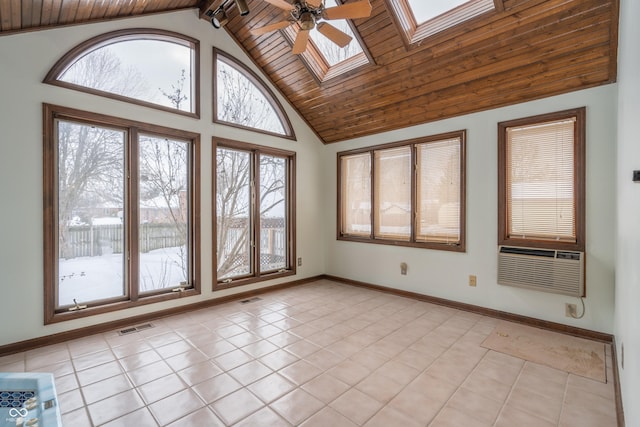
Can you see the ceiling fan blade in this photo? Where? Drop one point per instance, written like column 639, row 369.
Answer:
column 300, row 45
column 281, row 4
column 314, row 3
column 357, row 9
column 268, row 28
column 335, row 35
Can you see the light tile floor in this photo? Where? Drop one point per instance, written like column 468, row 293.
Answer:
column 322, row 354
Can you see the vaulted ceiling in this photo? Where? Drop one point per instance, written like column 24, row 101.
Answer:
column 524, row 50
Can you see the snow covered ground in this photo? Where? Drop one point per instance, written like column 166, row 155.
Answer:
column 99, row 277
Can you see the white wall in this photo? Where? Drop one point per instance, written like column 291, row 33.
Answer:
column 445, row 274
column 627, row 316
column 26, row 58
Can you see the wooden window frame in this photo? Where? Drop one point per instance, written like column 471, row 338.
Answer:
column 51, row 313
column 579, row 114
column 259, row 84
column 255, row 150
column 53, row 76
column 457, row 247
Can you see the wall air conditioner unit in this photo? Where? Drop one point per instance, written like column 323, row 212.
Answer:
column 546, row 270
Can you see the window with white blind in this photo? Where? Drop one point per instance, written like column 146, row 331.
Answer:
column 355, row 194
column 439, row 191
column 392, row 193
column 541, row 181
column 409, row 194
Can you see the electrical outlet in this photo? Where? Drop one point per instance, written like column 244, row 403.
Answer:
column 403, row 268
column 300, row 262
column 570, row 310
column 473, row 280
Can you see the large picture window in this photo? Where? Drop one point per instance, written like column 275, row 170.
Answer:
column 254, row 213
column 410, row 193
column 120, row 213
column 541, row 181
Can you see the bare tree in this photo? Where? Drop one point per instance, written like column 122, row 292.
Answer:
column 177, row 95
column 273, row 214
column 235, row 216
column 164, row 183
column 333, row 53
column 102, row 70
column 233, row 207
column 241, row 102
column 272, row 184
column 90, row 159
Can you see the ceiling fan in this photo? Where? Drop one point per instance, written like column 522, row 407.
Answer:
column 310, row 14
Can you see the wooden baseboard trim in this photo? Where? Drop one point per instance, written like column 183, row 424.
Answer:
column 616, row 384
column 142, row 318
column 503, row 315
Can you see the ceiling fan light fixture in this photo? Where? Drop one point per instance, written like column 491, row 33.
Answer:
column 307, row 21
column 242, row 7
column 219, row 18
column 307, row 15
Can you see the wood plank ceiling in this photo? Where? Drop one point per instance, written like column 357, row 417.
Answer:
column 528, row 50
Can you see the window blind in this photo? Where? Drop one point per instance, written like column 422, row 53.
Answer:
column 540, row 181
column 356, row 194
column 392, row 193
column 438, row 191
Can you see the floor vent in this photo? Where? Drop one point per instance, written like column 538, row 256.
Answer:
column 254, row 299
column 133, row 329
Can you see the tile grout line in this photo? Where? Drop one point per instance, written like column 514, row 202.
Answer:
column 564, row 398
column 421, row 372
column 458, row 387
column 506, row 399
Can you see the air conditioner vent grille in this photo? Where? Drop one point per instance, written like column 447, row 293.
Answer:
column 561, row 273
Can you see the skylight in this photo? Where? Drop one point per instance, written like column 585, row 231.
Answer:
column 420, row 19
column 426, row 10
column 326, row 60
column 331, row 52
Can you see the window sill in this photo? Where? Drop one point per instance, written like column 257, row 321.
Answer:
column 249, row 280
column 63, row 316
column 459, row 247
column 543, row 244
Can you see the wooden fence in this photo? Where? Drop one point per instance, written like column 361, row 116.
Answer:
column 273, row 247
column 95, row 240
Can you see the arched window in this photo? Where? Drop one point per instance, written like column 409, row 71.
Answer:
column 150, row 67
column 242, row 100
